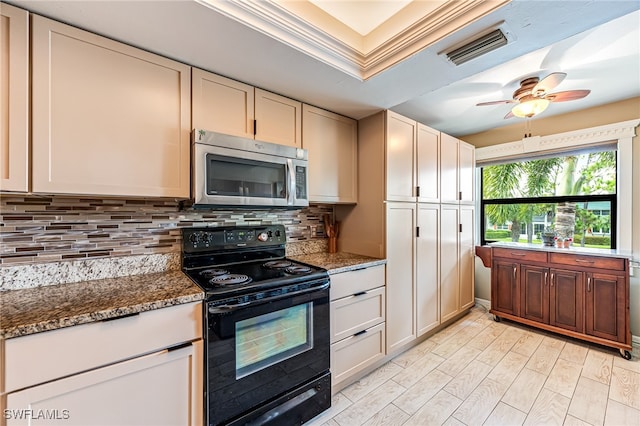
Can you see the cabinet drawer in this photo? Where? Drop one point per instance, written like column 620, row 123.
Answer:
column 37, row 358
column 588, row 261
column 528, row 255
column 352, row 282
column 355, row 353
column 352, row 314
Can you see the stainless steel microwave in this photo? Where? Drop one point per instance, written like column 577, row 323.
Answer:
column 234, row 171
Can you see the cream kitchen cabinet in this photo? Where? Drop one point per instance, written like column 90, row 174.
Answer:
column 457, row 164
column 123, row 371
column 14, row 99
column 412, row 160
column 332, row 142
column 357, row 323
column 456, row 260
column 227, row 106
column 107, row 118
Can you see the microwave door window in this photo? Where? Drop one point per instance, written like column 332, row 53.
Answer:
column 228, row 176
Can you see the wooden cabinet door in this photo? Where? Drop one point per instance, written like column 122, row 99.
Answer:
column 448, row 169
column 278, row 119
column 534, row 293
column 428, row 164
column 466, row 259
column 14, row 99
column 107, row 118
column 332, row 142
column 505, row 291
column 221, row 105
column 606, row 307
column 449, row 261
column 400, row 169
column 566, row 293
column 428, row 268
column 466, row 172
column 157, row 389
column 401, row 302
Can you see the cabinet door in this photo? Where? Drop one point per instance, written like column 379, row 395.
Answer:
column 466, row 172
column 401, row 228
column 163, row 388
column 534, row 293
column 505, row 291
column 332, row 142
column 278, row 119
column 467, row 257
column 221, row 105
column 606, row 307
column 428, row 164
column 428, row 268
column 400, row 143
column 449, row 264
column 14, row 99
column 107, row 119
column 448, row 169
column 566, row 300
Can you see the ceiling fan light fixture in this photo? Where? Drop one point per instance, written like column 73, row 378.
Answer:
column 530, row 108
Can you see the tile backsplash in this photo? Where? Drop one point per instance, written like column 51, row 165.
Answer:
column 37, row 229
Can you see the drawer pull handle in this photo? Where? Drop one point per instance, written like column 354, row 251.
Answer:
column 552, row 276
column 518, row 254
column 589, row 284
column 514, row 272
column 545, row 278
column 584, row 261
column 133, row 314
column 360, row 293
column 359, row 333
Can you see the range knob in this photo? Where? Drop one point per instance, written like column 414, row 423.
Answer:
column 194, row 238
column 263, row 236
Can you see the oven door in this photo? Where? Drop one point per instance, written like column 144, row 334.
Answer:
column 258, row 352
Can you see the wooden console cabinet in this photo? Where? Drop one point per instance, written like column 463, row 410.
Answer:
column 578, row 294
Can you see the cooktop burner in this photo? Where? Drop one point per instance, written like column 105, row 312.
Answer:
column 214, row 272
column 298, row 269
column 278, row 264
column 229, row 279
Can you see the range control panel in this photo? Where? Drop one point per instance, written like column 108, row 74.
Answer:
column 211, row 238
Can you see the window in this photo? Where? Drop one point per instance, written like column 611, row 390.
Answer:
column 571, row 197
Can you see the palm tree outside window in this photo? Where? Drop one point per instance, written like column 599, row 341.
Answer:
column 570, row 195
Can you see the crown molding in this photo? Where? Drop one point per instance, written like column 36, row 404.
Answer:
column 559, row 141
column 272, row 18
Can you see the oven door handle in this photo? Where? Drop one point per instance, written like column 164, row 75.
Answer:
column 230, row 308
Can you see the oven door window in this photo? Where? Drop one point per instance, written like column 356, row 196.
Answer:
column 227, row 176
column 270, row 338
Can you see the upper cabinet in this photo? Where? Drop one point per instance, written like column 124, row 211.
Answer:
column 228, row 106
column 412, row 160
column 107, row 118
column 457, row 164
column 332, row 142
column 14, row 98
column 221, row 104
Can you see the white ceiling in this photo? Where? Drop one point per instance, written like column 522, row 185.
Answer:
column 596, row 42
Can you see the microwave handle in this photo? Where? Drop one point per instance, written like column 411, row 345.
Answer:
column 291, row 187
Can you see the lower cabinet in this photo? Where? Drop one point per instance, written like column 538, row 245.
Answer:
column 357, row 323
column 575, row 294
column 146, row 369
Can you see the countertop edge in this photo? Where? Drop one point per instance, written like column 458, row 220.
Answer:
column 583, row 251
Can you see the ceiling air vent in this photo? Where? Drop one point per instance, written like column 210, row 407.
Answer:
column 478, row 47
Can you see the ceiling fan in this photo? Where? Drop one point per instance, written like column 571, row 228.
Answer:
column 533, row 97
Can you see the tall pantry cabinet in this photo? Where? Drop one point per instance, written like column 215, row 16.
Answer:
column 400, row 216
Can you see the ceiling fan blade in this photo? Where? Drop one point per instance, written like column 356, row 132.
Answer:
column 549, row 82
column 506, row 101
column 509, row 115
column 569, row 95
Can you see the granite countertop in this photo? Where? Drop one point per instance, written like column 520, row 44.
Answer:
column 339, row 262
column 34, row 310
column 586, row 251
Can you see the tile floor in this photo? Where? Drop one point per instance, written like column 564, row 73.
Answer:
column 481, row 372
